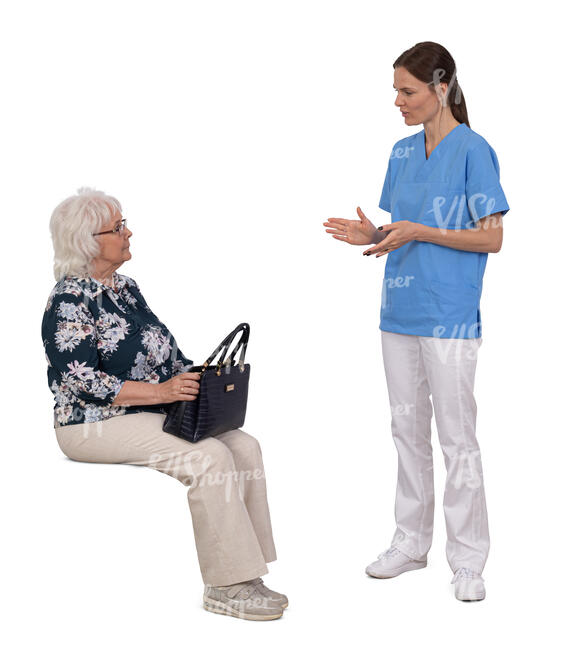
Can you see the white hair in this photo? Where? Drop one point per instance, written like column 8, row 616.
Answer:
column 72, row 223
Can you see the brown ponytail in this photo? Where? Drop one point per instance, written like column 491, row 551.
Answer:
column 432, row 63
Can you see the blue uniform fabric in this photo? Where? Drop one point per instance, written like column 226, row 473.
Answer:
column 428, row 289
column 95, row 338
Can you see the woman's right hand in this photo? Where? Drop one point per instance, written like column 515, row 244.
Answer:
column 360, row 232
column 183, row 387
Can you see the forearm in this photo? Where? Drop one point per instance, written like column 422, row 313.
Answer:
column 137, row 393
column 482, row 239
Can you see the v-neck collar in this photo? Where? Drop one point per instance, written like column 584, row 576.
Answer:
column 435, row 149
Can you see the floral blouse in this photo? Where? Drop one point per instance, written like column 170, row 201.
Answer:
column 95, row 338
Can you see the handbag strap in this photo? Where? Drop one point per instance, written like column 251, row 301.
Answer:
column 241, row 345
column 225, row 344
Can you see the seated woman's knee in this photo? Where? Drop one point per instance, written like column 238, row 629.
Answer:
column 211, row 453
column 242, row 442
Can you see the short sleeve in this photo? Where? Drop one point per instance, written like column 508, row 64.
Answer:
column 71, row 350
column 484, row 193
column 385, row 198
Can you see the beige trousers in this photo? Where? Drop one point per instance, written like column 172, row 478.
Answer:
column 225, row 474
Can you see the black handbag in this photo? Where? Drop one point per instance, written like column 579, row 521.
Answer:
column 223, row 393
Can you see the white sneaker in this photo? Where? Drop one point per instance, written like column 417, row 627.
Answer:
column 469, row 585
column 393, row 562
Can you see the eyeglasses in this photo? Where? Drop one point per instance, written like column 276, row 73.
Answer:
column 120, row 228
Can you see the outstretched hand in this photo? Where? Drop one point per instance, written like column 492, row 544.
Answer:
column 358, row 232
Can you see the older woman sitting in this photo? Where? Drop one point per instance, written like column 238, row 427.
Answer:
column 112, row 366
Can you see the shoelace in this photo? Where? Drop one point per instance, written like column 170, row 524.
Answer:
column 465, row 574
column 388, row 553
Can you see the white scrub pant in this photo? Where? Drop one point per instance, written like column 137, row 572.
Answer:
column 415, row 367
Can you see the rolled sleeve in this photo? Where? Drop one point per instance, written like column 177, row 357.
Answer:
column 484, row 194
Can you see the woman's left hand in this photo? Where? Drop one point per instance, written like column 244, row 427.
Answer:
column 400, row 233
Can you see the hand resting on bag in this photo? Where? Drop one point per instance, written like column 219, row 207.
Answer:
column 183, row 387
column 136, row 393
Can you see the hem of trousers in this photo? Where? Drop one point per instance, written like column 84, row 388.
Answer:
column 468, row 566
column 409, row 553
column 217, row 579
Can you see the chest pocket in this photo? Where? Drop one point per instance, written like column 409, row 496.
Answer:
column 431, row 203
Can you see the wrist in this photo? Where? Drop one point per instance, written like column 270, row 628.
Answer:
column 378, row 236
column 418, row 231
column 157, row 394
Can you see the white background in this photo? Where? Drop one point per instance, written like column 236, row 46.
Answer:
column 230, row 131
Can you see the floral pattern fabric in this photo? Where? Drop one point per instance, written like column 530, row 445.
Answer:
column 95, row 338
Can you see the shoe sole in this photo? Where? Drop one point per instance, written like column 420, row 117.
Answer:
column 398, row 573
column 221, row 608
column 472, row 598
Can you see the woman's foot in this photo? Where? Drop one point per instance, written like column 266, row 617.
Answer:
column 242, row 600
column 469, row 584
column 274, row 596
column 392, row 563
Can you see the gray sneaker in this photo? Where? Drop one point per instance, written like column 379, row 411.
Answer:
column 242, row 600
column 273, row 596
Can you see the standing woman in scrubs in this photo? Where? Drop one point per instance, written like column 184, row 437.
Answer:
column 443, row 191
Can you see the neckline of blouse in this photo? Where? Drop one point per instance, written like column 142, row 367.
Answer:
column 119, row 282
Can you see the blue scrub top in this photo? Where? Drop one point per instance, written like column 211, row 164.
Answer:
column 428, row 289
